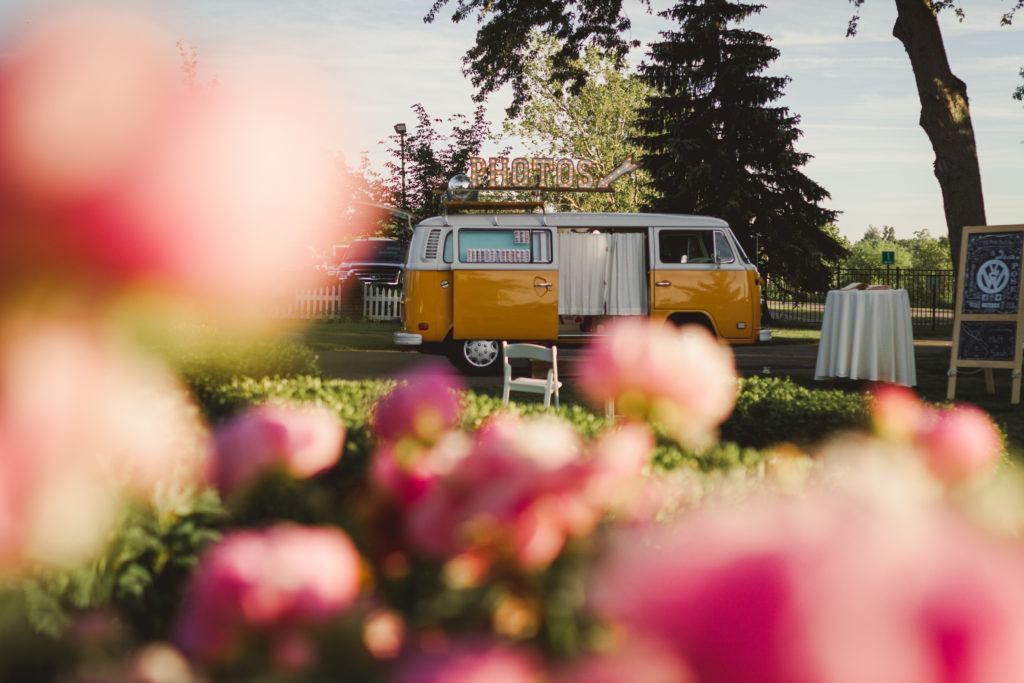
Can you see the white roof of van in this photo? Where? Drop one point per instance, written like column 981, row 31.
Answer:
column 575, row 220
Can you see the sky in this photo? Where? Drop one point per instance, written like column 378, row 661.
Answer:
column 855, row 97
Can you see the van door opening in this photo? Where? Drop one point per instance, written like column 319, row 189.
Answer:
column 600, row 274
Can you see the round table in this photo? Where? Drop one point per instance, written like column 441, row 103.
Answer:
column 867, row 334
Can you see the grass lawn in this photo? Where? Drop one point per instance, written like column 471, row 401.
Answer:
column 932, row 367
column 348, row 336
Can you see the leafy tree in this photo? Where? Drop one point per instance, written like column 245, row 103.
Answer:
column 503, row 47
column 431, row 158
column 874, row 235
column 867, row 252
column 945, row 113
column 594, row 124
column 921, row 251
column 714, row 144
column 928, row 252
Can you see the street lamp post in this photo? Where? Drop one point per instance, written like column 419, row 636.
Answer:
column 400, row 129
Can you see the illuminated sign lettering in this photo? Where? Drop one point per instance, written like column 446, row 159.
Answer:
column 502, row 173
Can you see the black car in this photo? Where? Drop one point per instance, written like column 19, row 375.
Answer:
column 377, row 260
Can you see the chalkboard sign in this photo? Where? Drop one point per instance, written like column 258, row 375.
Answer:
column 991, row 279
column 987, row 340
column 988, row 320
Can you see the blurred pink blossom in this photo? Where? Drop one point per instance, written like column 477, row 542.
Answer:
column 896, row 413
column 85, row 421
column 519, row 494
column 681, row 378
column 300, row 440
column 422, row 407
column 269, row 582
column 960, row 443
column 118, row 175
column 473, row 661
column 620, row 457
column 384, row 633
column 631, row 661
column 827, row 587
column 404, row 471
column 956, row 443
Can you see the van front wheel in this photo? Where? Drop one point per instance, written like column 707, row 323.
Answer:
column 476, row 356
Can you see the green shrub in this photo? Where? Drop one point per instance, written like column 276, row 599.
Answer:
column 142, row 573
column 768, row 411
column 773, row 410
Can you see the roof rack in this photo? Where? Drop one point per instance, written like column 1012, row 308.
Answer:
column 494, row 205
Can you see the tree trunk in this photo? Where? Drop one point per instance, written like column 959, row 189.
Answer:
column 945, row 117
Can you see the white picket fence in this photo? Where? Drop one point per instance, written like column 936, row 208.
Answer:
column 380, row 303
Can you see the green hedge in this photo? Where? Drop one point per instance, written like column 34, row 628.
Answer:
column 774, row 410
column 768, row 411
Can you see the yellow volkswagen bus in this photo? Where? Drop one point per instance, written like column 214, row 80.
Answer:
column 474, row 280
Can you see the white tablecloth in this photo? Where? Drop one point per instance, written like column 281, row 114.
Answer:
column 867, row 334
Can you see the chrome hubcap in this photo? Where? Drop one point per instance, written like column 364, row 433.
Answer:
column 480, row 352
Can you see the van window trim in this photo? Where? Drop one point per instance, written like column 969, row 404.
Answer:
column 655, row 241
column 459, row 264
column 449, row 240
column 728, row 241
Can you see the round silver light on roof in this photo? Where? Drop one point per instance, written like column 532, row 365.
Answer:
column 460, row 187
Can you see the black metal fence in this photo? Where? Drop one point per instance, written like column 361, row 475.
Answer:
column 931, row 295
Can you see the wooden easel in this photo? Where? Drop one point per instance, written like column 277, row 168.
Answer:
column 988, row 318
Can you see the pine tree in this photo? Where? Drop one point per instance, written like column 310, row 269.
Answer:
column 714, row 145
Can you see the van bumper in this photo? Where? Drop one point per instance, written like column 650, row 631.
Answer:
column 408, row 339
column 764, row 335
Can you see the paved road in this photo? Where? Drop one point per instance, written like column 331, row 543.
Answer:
column 772, row 359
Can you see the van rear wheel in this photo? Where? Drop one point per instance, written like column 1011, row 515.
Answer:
column 476, row 356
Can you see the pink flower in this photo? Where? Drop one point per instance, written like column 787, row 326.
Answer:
column 519, row 495
column 682, row 378
column 957, row 443
column 384, row 633
column 117, row 175
column 404, row 471
column 301, row 441
column 960, row 443
column 270, row 582
column 81, row 97
column 832, row 587
column 896, row 413
column 423, row 406
column 620, row 458
column 85, row 422
column 633, row 661
column 472, row 662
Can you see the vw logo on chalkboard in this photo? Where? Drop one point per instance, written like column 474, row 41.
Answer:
column 992, row 273
column 993, row 276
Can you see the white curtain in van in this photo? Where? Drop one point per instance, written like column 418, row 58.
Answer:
column 627, row 275
column 582, row 273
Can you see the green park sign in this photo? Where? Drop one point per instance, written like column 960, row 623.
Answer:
column 888, row 258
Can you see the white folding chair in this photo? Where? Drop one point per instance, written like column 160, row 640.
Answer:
column 547, row 386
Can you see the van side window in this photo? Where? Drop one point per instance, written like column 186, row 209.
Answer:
column 447, row 253
column 504, row 246
column 685, row 246
column 723, row 248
